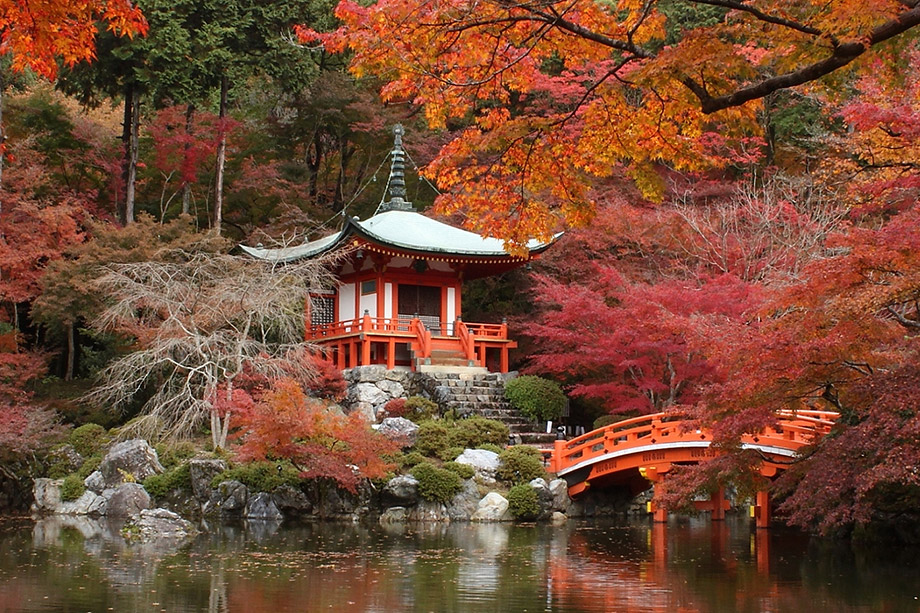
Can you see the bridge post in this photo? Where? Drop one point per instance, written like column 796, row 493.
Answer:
column 762, row 509
column 718, row 504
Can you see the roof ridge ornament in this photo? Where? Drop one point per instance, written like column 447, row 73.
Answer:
column 396, row 185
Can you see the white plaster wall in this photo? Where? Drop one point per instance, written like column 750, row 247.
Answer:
column 347, row 302
column 369, row 304
column 451, row 309
column 388, row 300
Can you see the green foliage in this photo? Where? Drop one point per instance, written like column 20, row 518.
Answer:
column 260, row 476
column 174, row 454
column 448, row 454
column 88, row 439
column 72, row 488
column 537, row 398
column 520, row 464
column 472, row 432
column 408, row 460
column 464, row 471
column 432, row 437
column 179, row 477
column 606, row 420
column 90, row 465
column 419, row 408
column 491, row 447
column 523, row 503
column 436, row 484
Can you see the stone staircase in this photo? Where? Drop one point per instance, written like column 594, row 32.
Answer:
column 482, row 393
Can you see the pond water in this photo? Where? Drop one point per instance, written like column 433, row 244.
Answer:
column 689, row 564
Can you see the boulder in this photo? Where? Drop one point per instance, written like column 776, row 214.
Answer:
column 366, row 411
column 465, row 503
column 155, row 524
column 46, row 496
column 89, row 503
column 203, row 471
column 493, row 507
column 544, row 496
column 402, row 490
column 229, row 499
column 369, row 393
column 366, row 374
column 560, row 491
column 427, row 511
column 127, row 500
column 399, row 429
column 65, row 458
column 483, row 461
column 558, row 518
column 392, row 389
column 133, row 460
column 394, row 515
column 95, row 482
column 291, row 500
column 261, row 506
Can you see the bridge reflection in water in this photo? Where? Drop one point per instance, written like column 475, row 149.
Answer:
column 687, row 565
column 635, row 451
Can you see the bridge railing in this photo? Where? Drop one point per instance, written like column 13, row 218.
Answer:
column 794, row 430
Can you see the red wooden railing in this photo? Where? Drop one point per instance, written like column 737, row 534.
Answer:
column 795, row 429
column 467, row 343
column 423, row 337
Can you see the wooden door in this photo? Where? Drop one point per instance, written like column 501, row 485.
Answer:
column 421, row 300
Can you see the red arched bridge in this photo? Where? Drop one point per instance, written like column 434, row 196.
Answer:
column 635, row 451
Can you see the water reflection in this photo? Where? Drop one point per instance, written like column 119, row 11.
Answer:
column 69, row 564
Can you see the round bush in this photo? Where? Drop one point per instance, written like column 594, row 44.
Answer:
column 180, row 477
column 436, row 484
column 491, row 447
column 464, row 471
column 408, row 460
column 174, row 454
column 396, row 407
column 523, row 503
column 472, row 432
column 89, row 466
column 88, row 439
column 520, row 464
column 260, row 476
column 72, row 488
column 537, row 398
column 449, row 454
column 419, row 408
column 432, row 437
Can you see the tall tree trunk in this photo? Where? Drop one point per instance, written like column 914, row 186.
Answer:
column 71, row 351
column 186, row 185
column 221, row 156
column 130, row 139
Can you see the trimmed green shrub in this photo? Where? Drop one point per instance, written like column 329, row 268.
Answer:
column 432, row 437
column 537, row 398
column 474, row 431
column 408, row 460
column 436, row 484
column 491, row 447
column 90, row 465
column 88, row 439
column 179, row 477
column 449, row 454
column 419, row 408
column 260, row 476
column 523, row 503
column 72, row 488
column 464, row 471
column 520, row 464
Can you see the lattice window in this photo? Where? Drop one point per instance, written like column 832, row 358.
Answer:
column 323, row 310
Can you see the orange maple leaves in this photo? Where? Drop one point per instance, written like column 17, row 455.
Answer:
column 38, row 33
column 558, row 94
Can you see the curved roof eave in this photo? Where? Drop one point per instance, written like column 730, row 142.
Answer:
column 297, row 252
column 416, row 233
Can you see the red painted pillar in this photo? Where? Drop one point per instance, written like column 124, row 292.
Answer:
column 762, row 509
column 718, row 504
